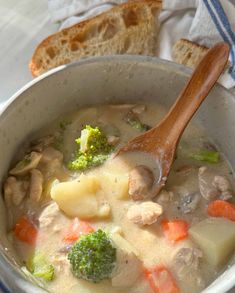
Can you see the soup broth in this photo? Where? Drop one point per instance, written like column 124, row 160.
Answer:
column 171, row 241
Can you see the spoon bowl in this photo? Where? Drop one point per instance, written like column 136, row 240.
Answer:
column 161, row 141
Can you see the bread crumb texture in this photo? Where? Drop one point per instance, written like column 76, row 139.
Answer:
column 129, row 28
column 188, row 53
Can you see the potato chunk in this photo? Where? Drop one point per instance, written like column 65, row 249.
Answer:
column 128, row 269
column 216, row 238
column 123, row 244
column 115, row 184
column 129, row 266
column 77, row 198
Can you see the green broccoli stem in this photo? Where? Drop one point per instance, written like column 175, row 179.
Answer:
column 40, row 268
column 206, row 156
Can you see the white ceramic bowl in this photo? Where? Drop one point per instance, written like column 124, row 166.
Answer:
column 114, row 79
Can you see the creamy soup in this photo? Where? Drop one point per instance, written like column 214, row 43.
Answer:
column 84, row 220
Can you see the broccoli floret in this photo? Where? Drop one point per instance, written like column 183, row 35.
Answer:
column 93, row 257
column 40, row 268
column 93, row 149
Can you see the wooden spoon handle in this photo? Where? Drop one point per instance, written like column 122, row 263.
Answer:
column 196, row 90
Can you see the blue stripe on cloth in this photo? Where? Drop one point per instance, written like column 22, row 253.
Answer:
column 3, row 288
column 219, row 8
column 223, row 17
column 220, row 11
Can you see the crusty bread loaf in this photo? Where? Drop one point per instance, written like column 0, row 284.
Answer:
column 188, row 53
column 129, row 28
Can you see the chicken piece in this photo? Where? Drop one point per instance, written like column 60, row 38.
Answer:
column 187, row 260
column 141, row 181
column 52, row 160
column 42, row 143
column 212, row 185
column 189, row 202
column 145, row 213
column 224, row 186
column 207, row 189
column 29, row 162
column 14, row 191
column 36, row 185
column 48, row 215
column 50, row 154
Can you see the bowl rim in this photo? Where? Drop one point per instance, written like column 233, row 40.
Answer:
column 9, row 268
column 181, row 69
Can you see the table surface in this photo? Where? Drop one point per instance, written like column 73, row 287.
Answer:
column 23, row 24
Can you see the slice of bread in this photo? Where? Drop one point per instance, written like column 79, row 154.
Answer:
column 129, row 28
column 188, row 53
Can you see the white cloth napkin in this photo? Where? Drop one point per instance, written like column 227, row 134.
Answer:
column 205, row 22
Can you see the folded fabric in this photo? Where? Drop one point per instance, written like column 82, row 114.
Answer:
column 205, row 22
column 62, row 9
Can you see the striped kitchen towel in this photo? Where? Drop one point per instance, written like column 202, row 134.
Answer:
column 205, row 22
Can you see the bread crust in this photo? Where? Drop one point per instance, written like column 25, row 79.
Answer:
column 188, row 53
column 127, row 28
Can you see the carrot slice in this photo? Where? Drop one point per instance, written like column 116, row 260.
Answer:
column 222, row 208
column 161, row 280
column 175, row 230
column 25, row 231
column 76, row 229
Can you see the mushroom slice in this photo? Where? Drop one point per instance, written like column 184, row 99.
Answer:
column 29, row 162
column 145, row 213
column 36, row 185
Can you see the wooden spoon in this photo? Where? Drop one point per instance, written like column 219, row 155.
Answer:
column 161, row 141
